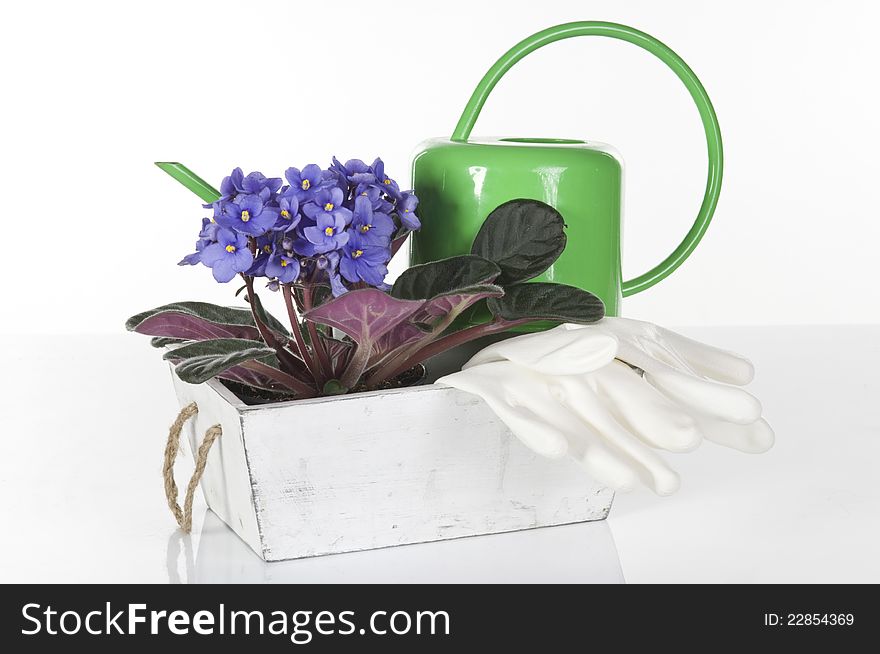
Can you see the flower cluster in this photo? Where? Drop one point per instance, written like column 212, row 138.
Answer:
column 333, row 226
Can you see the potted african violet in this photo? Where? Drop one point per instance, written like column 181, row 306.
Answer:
column 320, row 433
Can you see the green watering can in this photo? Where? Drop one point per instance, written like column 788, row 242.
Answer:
column 460, row 180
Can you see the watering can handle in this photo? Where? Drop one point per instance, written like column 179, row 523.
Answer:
column 678, row 66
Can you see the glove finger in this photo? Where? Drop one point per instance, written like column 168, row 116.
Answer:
column 645, row 411
column 554, row 352
column 618, row 459
column 490, row 354
column 754, row 438
column 729, row 403
column 619, row 444
column 712, row 362
column 604, row 463
column 606, row 466
column 532, row 429
column 500, row 385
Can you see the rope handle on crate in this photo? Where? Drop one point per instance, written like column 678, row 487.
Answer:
column 172, row 447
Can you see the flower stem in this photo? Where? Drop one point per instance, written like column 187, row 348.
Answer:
column 267, row 335
column 317, row 341
column 296, row 330
column 356, row 366
column 284, row 356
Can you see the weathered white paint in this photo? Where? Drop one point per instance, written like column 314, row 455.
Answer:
column 355, row 472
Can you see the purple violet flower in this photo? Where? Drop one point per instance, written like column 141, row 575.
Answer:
column 377, row 199
column 257, row 183
column 283, row 267
column 406, row 207
column 263, row 249
column 207, row 235
column 288, row 216
column 304, row 183
column 232, row 184
column 228, row 256
column 195, row 257
column 327, row 203
column 328, row 261
column 328, row 265
column 328, row 233
column 354, row 170
column 372, row 228
column 365, row 262
column 385, row 183
column 303, row 246
column 247, row 215
column 336, row 285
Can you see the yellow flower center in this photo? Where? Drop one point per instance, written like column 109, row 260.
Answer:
column 406, row 211
column 356, row 254
column 285, row 214
column 364, row 193
column 245, row 216
column 267, row 249
column 387, row 182
column 328, row 206
column 306, row 185
column 365, row 228
column 230, row 248
column 283, row 263
column 329, row 231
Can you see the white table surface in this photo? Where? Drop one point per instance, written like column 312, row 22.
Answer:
column 87, row 418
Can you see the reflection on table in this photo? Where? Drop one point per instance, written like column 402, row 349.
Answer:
column 580, row 553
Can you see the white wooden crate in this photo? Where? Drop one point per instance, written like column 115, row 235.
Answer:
column 368, row 470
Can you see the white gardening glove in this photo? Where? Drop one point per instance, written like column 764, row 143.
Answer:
column 562, row 392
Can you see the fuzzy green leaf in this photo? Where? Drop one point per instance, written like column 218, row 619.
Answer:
column 524, row 237
column 162, row 341
column 199, row 321
column 547, row 301
column 199, row 362
column 429, row 280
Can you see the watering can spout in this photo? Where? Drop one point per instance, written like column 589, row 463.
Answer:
column 190, row 180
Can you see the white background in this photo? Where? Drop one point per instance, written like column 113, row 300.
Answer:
column 94, row 92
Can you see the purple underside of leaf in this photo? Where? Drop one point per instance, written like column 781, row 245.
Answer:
column 403, row 334
column 339, row 353
column 336, row 348
column 181, row 325
column 454, row 303
column 364, row 315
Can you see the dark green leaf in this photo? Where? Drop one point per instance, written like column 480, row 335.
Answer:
column 199, row 362
column 239, row 374
column 449, row 306
column 524, row 237
column 219, row 346
column 429, row 280
column 546, row 301
column 162, row 341
column 198, row 321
